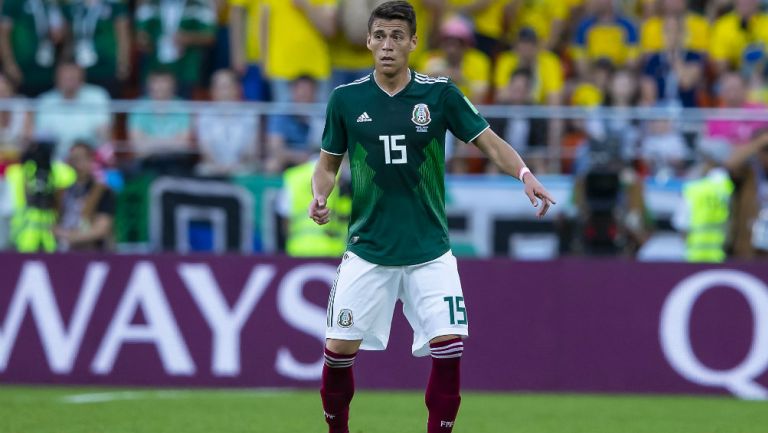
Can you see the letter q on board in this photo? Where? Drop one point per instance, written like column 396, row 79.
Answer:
column 674, row 333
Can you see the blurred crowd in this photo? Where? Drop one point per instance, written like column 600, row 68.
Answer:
column 584, row 53
column 74, row 57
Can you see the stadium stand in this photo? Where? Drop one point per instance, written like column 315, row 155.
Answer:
column 641, row 82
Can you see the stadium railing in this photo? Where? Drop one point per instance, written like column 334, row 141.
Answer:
column 661, row 187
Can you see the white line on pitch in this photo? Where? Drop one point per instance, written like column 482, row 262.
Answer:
column 103, row 397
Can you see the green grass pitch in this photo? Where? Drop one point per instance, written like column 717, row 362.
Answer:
column 112, row 410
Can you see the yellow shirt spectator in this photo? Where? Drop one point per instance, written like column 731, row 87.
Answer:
column 294, row 46
column 475, row 71
column 696, row 34
column 615, row 40
column 252, row 27
column 547, row 74
column 349, row 56
column 489, row 20
column 729, row 39
column 539, row 15
column 424, row 23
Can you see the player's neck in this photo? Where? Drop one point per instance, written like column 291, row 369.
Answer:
column 392, row 84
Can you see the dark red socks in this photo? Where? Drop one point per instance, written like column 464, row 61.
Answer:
column 337, row 390
column 442, row 396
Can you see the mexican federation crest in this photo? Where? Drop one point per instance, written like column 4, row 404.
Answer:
column 345, row 318
column 421, row 117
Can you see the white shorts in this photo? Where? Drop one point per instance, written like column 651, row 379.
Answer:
column 363, row 298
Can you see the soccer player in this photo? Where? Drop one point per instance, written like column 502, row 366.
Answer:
column 393, row 123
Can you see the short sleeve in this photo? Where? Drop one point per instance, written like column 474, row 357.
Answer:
column 630, row 30
column 477, row 68
column 464, row 121
column 552, row 72
column 698, row 29
column 650, row 32
column 720, row 42
column 632, row 39
column 505, row 66
column 582, row 31
column 579, row 47
column 334, row 132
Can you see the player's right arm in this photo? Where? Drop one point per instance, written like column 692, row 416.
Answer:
column 323, row 180
column 334, row 145
column 509, row 161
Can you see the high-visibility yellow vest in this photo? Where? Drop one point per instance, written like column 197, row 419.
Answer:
column 305, row 238
column 32, row 226
column 709, row 201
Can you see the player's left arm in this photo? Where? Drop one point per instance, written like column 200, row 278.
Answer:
column 509, row 161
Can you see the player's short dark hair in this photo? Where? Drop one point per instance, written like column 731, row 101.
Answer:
column 394, row 10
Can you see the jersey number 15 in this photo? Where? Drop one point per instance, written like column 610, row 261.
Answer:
column 391, row 146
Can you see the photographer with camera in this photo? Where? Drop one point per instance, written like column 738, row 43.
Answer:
column 35, row 185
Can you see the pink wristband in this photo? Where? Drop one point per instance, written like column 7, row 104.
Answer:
column 522, row 173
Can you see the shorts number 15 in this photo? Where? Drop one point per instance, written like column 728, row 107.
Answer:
column 456, row 309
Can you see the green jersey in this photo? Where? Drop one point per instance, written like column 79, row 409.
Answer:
column 396, row 148
column 31, row 22
column 161, row 20
column 94, row 22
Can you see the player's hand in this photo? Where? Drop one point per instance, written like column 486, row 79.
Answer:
column 318, row 211
column 536, row 192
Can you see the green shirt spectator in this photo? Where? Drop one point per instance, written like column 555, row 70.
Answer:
column 159, row 124
column 100, row 40
column 174, row 33
column 29, row 30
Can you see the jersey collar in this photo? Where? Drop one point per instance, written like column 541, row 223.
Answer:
column 392, row 95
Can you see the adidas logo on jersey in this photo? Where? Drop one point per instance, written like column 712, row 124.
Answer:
column 364, row 118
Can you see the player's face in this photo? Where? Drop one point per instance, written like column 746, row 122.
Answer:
column 391, row 43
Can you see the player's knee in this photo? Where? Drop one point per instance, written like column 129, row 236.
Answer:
column 446, row 347
column 443, row 338
column 343, row 347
